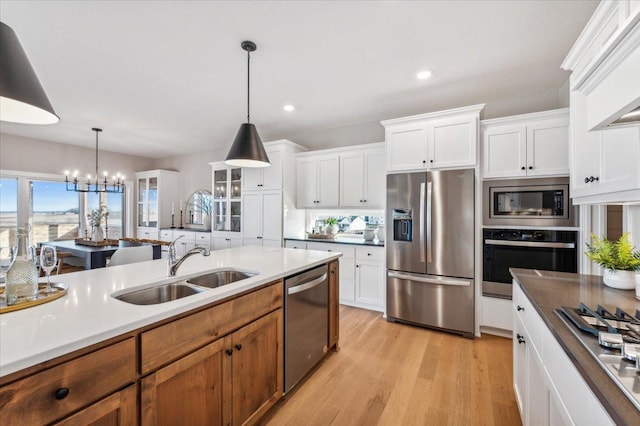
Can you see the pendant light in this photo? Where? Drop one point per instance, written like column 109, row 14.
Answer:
column 247, row 149
column 115, row 185
column 22, row 98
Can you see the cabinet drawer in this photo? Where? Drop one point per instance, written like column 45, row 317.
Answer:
column 166, row 235
column 346, row 250
column 203, row 237
column 301, row 245
column 87, row 379
column 187, row 237
column 529, row 317
column 375, row 254
column 171, row 341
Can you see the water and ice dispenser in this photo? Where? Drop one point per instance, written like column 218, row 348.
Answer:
column 402, row 225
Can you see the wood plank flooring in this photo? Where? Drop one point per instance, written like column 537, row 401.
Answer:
column 394, row 374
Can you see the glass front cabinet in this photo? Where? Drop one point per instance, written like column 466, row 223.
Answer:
column 157, row 198
column 227, row 199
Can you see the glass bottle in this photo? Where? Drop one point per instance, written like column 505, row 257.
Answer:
column 22, row 276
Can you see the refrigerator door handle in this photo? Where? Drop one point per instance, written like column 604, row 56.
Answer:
column 429, row 195
column 441, row 281
column 422, row 242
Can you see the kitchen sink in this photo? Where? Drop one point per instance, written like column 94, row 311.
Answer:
column 219, row 278
column 177, row 290
column 159, row 294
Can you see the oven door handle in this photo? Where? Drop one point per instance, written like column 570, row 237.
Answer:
column 530, row 244
column 306, row 286
column 422, row 279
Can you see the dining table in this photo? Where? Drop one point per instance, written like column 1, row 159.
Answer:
column 96, row 257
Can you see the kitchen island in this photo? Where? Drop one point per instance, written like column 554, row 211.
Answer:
column 549, row 359
column 90, row 353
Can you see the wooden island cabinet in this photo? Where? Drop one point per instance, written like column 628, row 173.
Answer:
column 217, row 365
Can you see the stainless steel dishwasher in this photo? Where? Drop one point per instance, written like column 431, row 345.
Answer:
column 306, row 323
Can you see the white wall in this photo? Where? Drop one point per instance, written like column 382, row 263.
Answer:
column 195, row 172
column 39, row 156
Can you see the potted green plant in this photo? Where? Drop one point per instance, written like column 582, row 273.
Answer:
column 332, row 225
column 619, row 259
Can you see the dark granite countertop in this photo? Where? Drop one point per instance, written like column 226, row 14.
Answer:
column 548, row 291
column 354, row 240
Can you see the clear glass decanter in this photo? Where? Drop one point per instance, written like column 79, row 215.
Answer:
column 22, row 276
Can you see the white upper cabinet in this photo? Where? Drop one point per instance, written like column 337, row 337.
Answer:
column 265, row 178
column 362, row 179
column 444, row 139
column 605, row 65
column 406, row 146
column 452, row 142
column 318, row 181
column 526, row 145
column 605, row 162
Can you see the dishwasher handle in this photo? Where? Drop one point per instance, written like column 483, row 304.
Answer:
column 306, row 286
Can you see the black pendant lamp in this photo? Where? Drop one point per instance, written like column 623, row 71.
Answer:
column 22, row 98
column 247, row 149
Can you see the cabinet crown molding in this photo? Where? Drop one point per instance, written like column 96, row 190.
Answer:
column 432, row 115
column 521, row 118
column 377, row 145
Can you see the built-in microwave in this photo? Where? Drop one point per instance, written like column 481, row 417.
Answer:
column 528, row 202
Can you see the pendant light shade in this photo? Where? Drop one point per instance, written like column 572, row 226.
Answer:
column 22, row 98
column 247, row 149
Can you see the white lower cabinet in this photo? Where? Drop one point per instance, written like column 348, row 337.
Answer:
column 362, row 273
column 187, row 241
column 221, row 241
column 549, row 390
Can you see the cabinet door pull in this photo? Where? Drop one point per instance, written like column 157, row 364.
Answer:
column 431, row 161
column 596, row 178
column 520, row 339
column 519, row 308
column 364, row 201
column 357, row 266
column 238, row 346
column 424, row 161
column 360, row 200
column 229, row 352
column 368, row 254
column 586, row 180
column 530, row 167
column 522, row 168
column 62, row 393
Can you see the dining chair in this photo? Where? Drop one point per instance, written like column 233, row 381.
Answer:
column 126, row 255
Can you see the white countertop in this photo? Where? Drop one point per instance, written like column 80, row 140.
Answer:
column 88, row 314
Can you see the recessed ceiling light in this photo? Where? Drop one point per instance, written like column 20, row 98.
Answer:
column 289, row 108
column 423, row 75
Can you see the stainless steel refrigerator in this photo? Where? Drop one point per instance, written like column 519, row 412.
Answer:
column 430, row 249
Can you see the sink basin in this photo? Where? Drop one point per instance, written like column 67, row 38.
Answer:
column 219, row 278
column 159, row 294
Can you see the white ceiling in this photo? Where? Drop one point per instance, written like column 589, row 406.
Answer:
column 168, row 78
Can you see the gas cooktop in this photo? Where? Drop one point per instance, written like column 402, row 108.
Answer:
column 613, row 339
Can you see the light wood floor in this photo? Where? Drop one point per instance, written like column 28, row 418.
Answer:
column 394, row 374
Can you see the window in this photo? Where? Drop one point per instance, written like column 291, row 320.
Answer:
column 54, row 212
column 8, row 213
column 115, row 207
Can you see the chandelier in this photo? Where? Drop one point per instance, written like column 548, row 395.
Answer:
column 95, row 183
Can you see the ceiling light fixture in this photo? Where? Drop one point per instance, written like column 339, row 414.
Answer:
column 289, row 108
column 247, row 149
column 423, row 75
column 22, row 98
column 116, row 185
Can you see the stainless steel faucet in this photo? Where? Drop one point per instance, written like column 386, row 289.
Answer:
column 174, row 263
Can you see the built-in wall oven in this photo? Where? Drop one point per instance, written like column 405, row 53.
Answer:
column 524, row 248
